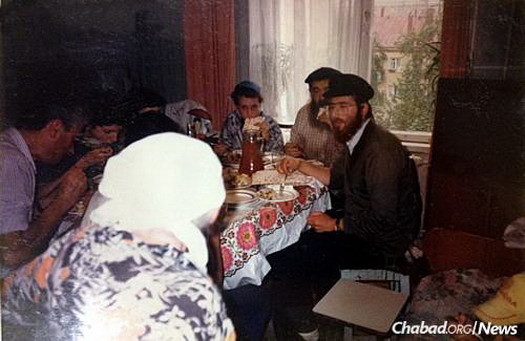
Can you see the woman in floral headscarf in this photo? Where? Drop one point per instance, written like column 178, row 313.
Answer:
column 136, row 269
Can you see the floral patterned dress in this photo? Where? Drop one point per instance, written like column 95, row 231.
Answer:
column 102, row 284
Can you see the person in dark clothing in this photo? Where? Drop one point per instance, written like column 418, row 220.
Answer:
column 146, row 125
column 378, row 183
column 378, row 180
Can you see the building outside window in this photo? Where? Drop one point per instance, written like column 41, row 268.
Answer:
column 406, row 36
column 392, row 91
column 393, row 64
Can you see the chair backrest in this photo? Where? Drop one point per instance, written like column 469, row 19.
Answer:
column 451, row 249
column 387, row 279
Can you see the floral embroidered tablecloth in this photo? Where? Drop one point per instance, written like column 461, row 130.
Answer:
column 267, row 228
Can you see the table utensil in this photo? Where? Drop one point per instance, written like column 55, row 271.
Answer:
column 281, row 187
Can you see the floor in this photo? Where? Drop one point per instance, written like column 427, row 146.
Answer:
column 357, row 335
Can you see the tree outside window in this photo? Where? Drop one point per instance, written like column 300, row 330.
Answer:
column 414, row 56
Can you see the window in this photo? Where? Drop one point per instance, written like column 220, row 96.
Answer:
column 289, row 39
column 374, row 39
column 393, row 64
column 406, row 53
column 392, row 91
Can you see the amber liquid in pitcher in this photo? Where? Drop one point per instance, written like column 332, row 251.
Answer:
column 251, row 159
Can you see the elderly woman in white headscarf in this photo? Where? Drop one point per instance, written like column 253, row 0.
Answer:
column 136, row 268
column 191, row 116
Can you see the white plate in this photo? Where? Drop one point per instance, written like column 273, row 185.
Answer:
column 238, row 197
column 287, row 194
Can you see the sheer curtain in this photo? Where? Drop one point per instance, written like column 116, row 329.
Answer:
column 290, row 39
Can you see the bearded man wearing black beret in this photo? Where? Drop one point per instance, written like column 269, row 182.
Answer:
column 378, row 185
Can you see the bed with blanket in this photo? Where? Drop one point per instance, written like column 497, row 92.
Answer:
column 467, row 270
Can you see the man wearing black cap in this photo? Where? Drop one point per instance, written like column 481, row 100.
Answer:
column 311, row 136
column 379, row 184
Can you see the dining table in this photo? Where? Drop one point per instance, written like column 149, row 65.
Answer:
column 251, row 232
column 264, row 227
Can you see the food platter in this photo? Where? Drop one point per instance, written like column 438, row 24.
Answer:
column 240, row 197
column 274, row 194
column 234, row 180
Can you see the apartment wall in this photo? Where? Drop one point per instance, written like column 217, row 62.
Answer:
column 77, row 44
column 477, row 172
column 477, row 161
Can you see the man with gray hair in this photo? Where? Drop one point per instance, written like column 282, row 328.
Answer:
column 44, row 132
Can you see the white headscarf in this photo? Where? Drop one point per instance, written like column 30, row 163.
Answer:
column 162, row 181
column 179, row 113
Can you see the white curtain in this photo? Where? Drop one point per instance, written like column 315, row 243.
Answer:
column 291, row 38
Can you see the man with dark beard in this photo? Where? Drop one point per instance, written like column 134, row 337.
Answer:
column 379, row 183
column 311, row 136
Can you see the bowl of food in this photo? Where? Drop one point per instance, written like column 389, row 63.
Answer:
column 234, row 180
column 232, row 158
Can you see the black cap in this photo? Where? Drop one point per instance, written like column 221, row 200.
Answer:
column 349, row 85
column 322, row 73
column 247, row 85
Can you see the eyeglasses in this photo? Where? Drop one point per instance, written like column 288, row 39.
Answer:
column 344, row 106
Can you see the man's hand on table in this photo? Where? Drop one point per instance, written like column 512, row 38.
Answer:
column 289, row 165
column 293, row 149
column 322, row 222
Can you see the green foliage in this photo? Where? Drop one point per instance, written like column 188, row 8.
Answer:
column 379, row 102
column 413, row 106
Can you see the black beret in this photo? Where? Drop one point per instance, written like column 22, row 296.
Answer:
column 322, row 73
column 349, row 85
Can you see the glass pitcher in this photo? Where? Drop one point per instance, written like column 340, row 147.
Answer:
column 251, row 159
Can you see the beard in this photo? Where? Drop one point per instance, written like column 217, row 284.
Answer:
column 345, row 130
column 314, row 108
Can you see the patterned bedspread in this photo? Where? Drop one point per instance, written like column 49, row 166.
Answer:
column 446, row 294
